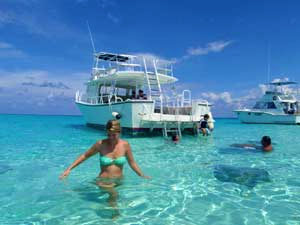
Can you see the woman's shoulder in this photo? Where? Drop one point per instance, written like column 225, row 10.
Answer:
column 99, row 143
column 123, row 142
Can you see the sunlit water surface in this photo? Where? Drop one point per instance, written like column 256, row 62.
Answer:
column 184, row 188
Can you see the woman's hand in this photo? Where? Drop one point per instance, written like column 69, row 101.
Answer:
column 146, row 177
column 65, row 174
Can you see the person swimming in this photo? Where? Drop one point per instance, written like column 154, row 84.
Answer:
column 266, row 145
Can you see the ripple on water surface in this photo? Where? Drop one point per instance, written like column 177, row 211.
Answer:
column 185, row 187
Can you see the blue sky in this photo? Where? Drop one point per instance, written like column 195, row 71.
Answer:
column 221, row 47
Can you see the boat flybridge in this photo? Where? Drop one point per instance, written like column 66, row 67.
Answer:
column 112, row 93
column 276, row 106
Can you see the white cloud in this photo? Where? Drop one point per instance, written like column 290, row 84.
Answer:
column 49, row 93
column 225, row 102
column 150, row 57
column 102, row 3
column 40, row 82
column 106, row 6
column 12, row 53
column 4, row 45
column 216, row 46
column 114, row 19
column 33, row 18
column 9, row 51
column 6, row 17
column 224, row 96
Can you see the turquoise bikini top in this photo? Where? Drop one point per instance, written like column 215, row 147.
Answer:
column 106, row 161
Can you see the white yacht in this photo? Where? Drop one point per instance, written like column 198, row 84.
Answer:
column 276, row 106
column 112, row 92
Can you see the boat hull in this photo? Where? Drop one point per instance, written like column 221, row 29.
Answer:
column 138, row 115
column 267, row 118
column 98, row 115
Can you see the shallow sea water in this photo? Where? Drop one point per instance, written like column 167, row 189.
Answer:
column 184, row 188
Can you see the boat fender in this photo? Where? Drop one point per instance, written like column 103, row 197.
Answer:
column 210, row 122
column 116, row 115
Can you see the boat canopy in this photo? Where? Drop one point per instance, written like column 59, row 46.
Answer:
column 281, row 83
column 113, row 57
column 130, row 79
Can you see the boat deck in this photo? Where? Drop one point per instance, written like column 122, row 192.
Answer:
column 161, row 118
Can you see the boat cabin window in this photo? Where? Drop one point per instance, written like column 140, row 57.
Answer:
column 271, row 105
column 264, row 105
column 259, row 105
column 297, row 107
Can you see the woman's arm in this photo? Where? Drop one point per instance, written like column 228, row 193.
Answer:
column 132, row 162
column 90, row 152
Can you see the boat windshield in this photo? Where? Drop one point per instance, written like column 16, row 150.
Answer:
column 286, row 97
column 264, row 105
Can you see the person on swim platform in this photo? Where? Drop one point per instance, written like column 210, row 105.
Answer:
column 203, row 126
column 266, row 145
column 113, row 152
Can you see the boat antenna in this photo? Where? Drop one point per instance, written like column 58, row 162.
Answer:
column 269, row 62
column 87, row 22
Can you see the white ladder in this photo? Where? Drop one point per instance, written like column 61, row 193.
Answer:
column 176, row 130
column 112, row 91
column 154, row 87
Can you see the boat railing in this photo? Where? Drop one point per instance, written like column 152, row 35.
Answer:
column 152, row 65
column 286, row 97
column 137, row 64
column 178, row 104
column 97, row 100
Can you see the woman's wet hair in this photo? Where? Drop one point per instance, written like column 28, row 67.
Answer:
column 206, row 116
column 113, row 126
column 266, row 141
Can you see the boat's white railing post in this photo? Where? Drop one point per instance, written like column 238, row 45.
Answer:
column 145, row 65
column 187, row 100
column 159, row 87
column 147, row 78
column 76, row 96
column 117, row 64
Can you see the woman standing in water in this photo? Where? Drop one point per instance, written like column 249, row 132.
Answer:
column 114, row 152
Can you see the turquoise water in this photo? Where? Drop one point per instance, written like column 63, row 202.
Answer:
column 184, row 188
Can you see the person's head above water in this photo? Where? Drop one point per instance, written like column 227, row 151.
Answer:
column 175, row 138
column 206, row 116
column 266, row 140
column 266, row 143
column 113, row 128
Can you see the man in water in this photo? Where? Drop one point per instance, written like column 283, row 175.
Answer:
column 266, row 145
